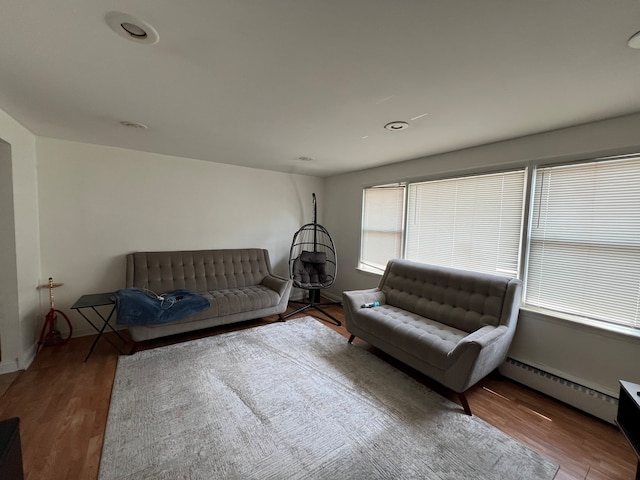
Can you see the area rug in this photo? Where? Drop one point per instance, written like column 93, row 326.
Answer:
column 293, row 400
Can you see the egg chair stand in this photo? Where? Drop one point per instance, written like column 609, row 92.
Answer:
column 312, row 266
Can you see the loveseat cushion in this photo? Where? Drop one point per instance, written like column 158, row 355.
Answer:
column 463, row 300
column 429, row 341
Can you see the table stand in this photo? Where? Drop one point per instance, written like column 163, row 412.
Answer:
column 50, row 335
column 91, row 302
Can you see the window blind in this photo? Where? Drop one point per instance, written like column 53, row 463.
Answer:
column 382, row 225
column 584, row 246
column 474, row 223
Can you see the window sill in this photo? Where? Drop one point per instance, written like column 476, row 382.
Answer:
column 602, row 328
column 370, row 270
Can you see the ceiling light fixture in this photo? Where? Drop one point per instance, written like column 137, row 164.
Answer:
column 126, row 123
column 131, row 28
column 634, row 42
column 420, row 116
column 134, row 30
column 396, row 126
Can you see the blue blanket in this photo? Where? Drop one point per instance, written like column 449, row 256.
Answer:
column 138, row 307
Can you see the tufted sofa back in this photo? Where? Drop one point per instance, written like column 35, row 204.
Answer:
column 458, row 298
column 199, row 271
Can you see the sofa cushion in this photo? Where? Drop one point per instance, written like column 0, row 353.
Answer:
column 233, row 301
column 237, row 300
column 198, row 271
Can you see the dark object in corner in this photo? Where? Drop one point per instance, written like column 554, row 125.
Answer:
column 10, row 450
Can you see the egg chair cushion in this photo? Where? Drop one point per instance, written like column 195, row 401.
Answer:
column 309, row 270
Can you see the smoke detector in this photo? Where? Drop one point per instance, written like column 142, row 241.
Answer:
column 126, row 123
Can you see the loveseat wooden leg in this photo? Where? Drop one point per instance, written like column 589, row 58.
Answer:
column 465, row 403
column 351, row 338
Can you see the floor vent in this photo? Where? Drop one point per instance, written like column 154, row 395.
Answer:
column 596, row 403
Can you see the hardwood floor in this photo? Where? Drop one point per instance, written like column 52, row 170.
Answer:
column 63, row 404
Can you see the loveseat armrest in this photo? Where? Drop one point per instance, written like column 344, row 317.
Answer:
column 354, row 299
column 277, row 284
column 483, row 337
column 477, row 355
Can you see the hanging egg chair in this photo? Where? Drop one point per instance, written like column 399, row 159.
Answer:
column 312, row 265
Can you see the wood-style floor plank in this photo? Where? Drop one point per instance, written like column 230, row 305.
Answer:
column 63, row 404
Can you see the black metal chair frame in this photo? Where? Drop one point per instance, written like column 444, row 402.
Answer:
column 322, row 244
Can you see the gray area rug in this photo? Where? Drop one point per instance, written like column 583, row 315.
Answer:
column 293, row 401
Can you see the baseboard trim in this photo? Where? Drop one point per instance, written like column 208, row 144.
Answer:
column 584, row 398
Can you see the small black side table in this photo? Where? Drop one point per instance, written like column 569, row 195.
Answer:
column 91, row 302
column 628, row 418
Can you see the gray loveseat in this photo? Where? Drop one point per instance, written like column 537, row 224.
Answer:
column 238, row 283
column 454, row 326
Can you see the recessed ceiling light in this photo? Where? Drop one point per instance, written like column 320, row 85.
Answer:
column 134, row 30
column 634, row 42
column 126, row 123
column 131, row 28
column 396, row 126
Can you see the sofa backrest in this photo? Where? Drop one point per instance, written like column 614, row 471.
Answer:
column 461, row 299
column 199, row 271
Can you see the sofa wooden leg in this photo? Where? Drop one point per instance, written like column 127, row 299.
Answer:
column 134, row 348
column 351, row 338
column 465, row 403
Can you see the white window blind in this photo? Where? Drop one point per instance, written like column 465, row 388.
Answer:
column 382, row 225
column 474, row 223
column 584, row 250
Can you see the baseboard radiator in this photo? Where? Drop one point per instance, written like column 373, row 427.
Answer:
column 587, row 399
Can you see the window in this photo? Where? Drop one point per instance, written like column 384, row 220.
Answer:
column 582, row 251
column 382, row 225
column 473, row 223
column 584, row 247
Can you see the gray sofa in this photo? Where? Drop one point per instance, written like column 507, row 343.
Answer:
column 454, row 326
column 238, row 283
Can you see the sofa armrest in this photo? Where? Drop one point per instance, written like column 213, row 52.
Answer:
column 277, row 284
column 354, row 299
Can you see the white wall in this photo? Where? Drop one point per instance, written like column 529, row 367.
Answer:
column 20, row 316
column 579, row 353
column 98, row 203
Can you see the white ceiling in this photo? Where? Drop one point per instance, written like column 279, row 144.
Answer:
column 260, row 83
